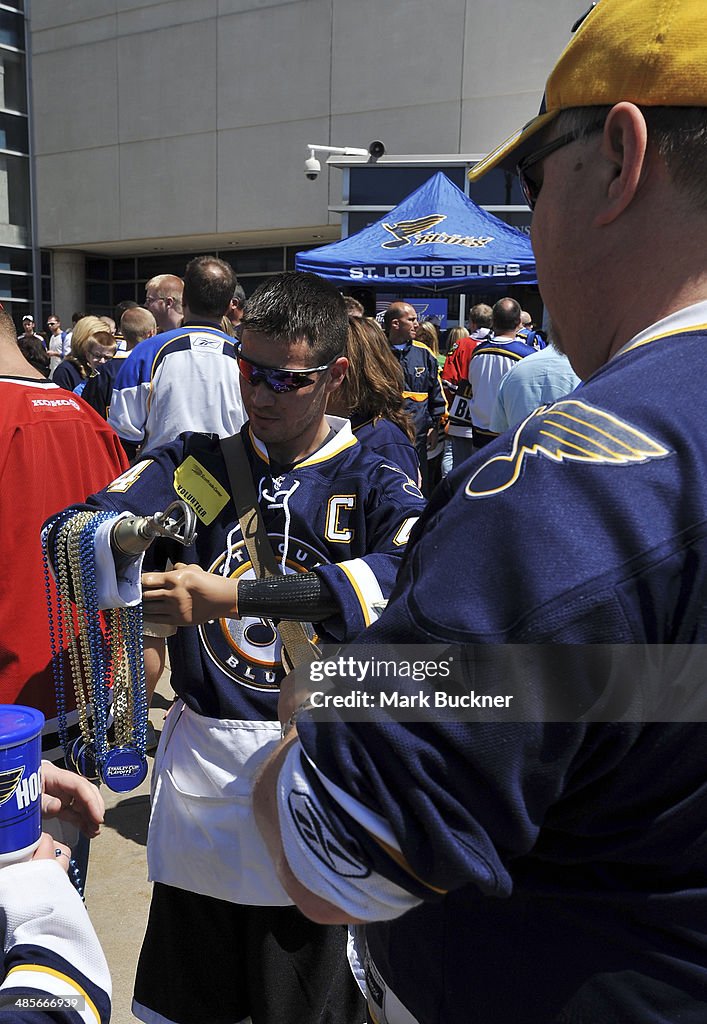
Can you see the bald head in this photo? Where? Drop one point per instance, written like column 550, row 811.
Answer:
column 209, row 285
column 163, row 297
column 505, row 317
column 400, row 320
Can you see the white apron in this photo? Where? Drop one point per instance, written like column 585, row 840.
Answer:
column 203, row 836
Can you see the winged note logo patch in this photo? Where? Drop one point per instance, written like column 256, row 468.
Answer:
column 405, row 230
column 9, row 781
column 569, row 431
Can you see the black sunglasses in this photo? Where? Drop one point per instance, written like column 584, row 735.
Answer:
column 530, row 188
column 278, row 379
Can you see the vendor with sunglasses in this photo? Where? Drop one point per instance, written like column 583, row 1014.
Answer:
column 338, row 518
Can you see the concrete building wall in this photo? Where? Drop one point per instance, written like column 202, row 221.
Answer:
column 171, row 120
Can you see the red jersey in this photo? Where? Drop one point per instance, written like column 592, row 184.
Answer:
column 456, row 365
column 54, row 451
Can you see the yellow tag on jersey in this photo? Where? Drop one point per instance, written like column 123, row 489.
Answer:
column 200, row 490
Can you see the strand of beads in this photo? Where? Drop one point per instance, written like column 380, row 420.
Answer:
column 127, row 625
column 66, row 644
column 87, row 664
column 56, row 639
column 105, row 658
column 76, row 879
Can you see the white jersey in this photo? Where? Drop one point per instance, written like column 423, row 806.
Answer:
column 186, row 379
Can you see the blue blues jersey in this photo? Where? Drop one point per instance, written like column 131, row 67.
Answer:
column 342, row 512
column 389, row 442
column 424, row 398
column 561, row 865
column 99, row 388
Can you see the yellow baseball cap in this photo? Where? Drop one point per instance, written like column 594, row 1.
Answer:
column 649, row 52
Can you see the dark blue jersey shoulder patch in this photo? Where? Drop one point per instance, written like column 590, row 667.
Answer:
column 568, row 431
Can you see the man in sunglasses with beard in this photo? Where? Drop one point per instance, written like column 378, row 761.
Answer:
column 223, row 941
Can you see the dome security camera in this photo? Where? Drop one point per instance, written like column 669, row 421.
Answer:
column 312, row 167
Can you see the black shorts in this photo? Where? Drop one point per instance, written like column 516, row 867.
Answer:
column 207, row 961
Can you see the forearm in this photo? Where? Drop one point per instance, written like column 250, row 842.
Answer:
column 267, row 819
column 302, row 597
column 50, row 946
column 188, row 595
column 117, row 576
column 154, row 648
column 321, row 867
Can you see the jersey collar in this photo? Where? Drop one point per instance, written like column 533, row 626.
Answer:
column 342, row 439
column 691, row 318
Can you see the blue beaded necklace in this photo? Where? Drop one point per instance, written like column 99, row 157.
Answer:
column 104, row 650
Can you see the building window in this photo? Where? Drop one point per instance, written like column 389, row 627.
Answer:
column 110, row 280
column 13, row 89
column 16, row 283
column 12, row 29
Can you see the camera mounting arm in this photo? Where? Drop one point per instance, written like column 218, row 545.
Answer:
column 312, row 167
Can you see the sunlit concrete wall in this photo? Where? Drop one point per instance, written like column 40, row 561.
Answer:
column 189, row 118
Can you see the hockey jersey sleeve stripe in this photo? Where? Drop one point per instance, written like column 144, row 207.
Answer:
column 375, row 826
column 416, row 396
column 365, row 586
column 322, row 861
column 181, row 342
column 400, row 860
column 50, row 982
column 491, row 351
column 184, row 341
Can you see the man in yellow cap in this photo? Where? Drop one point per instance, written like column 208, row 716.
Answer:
column 545, row 862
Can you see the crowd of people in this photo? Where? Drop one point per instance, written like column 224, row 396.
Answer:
column 547, row 866
column 431, row 396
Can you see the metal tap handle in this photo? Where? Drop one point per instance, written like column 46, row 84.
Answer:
column 133, row 536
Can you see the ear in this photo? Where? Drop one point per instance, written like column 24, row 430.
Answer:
column 337, row 372
column 623, row 147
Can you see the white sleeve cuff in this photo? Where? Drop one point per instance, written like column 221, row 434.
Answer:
column 321, row 862
column 115, row 591
column 41, row 908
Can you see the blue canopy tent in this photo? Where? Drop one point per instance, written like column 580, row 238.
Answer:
column 437, row 240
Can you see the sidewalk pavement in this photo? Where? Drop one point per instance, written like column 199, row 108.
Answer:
column 117, row 890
